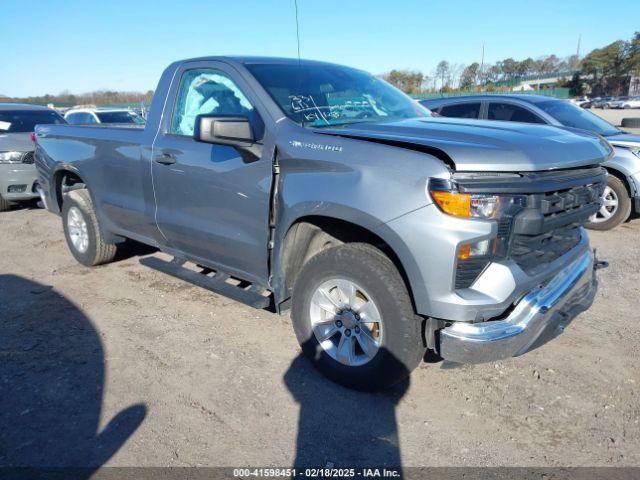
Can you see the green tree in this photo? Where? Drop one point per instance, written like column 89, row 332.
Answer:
column 525, row 67
column 469, row 76
column 443, row 71
column 575, row 85
column 406, row 80
column 508, row 68
column 606, row 66
column 633, row 55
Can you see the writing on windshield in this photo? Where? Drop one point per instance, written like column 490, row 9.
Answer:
column 322, row 95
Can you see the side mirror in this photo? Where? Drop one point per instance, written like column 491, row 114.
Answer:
column 234, row 131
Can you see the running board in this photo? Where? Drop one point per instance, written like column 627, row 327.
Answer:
column 215, row 281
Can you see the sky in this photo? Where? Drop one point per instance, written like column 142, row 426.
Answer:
column 81, row 46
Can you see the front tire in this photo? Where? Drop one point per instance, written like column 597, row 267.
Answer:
column 616, row 206
column 82, row 230
column 354, row 318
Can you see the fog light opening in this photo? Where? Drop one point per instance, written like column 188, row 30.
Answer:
column 16, row 188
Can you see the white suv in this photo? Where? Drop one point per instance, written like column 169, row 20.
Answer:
column 633, row 102
column 90, row 116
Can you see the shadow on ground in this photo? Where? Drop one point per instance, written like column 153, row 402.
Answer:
column 51, row 383
column 342, row 428
column 130, row 248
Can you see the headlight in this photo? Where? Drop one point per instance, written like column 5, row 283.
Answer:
column 466, row 205
column 446, row 196
column 10, row 157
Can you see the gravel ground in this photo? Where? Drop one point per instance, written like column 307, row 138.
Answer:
column 125, row 366
column 615, row 116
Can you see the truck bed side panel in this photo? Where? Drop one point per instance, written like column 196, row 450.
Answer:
column 113, row 162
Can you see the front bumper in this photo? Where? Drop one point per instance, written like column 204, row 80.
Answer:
column 17, row 181
column 537, row 318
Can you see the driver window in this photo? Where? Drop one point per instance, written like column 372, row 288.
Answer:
column 206, row 91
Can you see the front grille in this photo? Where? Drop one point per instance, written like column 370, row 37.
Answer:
column 568, row 200
column 504, row 227
column 27, row 158
column 542, row 220
column 531, row 251
column 550, row 225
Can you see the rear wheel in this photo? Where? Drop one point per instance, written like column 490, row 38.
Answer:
column 354, row 319
column 4, row 204
column 616, row 206
column 82, row 230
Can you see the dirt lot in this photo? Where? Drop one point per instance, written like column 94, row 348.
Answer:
column 124, row 365
column 615, row 116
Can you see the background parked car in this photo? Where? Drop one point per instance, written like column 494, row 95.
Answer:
column 580, row 101
column 618, row 102
column 622, row 193
column 91, row 116
column 632, row 102
column 17, row 172
column 602, row 102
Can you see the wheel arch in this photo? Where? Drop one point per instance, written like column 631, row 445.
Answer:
column 310, row 234
column 620, row 175
column 65, row 178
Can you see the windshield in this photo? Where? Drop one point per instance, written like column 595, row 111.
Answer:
column 329, row 95
column 22, row 121
column 570, row 115
column 120, row 117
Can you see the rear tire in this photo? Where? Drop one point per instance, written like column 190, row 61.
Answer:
column 82, row 230
column 614, row 191
column 378, row 287
column 633, row 122
column 5, row 205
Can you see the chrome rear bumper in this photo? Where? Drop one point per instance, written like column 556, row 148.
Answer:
column 537, row 318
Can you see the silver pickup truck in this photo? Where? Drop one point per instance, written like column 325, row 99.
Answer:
column 319, row 188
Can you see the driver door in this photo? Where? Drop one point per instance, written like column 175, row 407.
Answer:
column 212, row 201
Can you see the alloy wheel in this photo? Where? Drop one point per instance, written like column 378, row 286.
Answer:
column 77, row 227
column 346, row 322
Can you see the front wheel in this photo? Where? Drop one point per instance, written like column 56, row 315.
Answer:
column 354, row 318
column 616, row 206
column 82, row 230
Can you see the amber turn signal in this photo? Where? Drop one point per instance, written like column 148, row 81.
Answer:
column 453, row 203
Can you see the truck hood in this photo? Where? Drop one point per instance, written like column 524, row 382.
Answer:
column 481, row 145
column 624, row 140
column 16, row 142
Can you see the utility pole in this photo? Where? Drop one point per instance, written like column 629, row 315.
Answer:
column 479, row 74
column 578, row 51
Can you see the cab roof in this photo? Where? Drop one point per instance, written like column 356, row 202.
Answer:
column 257, row 60
column 21, row 106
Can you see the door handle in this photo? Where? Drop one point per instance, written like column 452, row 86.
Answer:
column 165, row 159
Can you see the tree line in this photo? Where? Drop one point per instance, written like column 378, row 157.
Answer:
column 603, row 70
column 100, row 97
